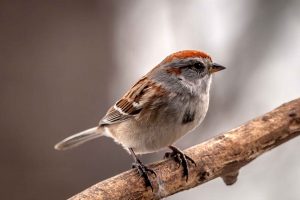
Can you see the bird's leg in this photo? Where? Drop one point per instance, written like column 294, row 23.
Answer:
column 181, row 159
column 142, row 169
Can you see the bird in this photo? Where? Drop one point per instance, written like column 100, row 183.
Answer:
column 168, row 102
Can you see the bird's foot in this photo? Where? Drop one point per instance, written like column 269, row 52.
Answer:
column 143, row 171
column 181, row 159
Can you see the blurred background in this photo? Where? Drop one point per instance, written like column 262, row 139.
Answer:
column 64, row 63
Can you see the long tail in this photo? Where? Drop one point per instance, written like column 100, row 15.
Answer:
column 78, row 139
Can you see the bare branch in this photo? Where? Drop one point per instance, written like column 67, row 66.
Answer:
column 221, row 156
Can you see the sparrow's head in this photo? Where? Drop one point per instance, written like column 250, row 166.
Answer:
column 190, row 65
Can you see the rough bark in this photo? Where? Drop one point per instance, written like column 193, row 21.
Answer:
column 221, row 156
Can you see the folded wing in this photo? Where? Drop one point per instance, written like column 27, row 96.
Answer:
column 144, row 94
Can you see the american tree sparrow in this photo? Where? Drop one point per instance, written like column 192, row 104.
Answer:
column 165, row 104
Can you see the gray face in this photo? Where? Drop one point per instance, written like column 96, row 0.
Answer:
column 191, row 69
column 194, row 69
column 190, row 75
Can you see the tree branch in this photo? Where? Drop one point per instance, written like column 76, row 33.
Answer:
column 221, row 156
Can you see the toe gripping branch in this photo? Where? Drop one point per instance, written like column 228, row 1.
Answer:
column 142, row 169
column 181, row 158
column 177, row 155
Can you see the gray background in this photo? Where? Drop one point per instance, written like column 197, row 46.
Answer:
column 63, row 63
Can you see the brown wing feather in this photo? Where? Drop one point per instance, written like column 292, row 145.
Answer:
column 113, row 116
column 141, row 95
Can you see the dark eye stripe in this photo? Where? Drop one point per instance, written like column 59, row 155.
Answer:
column 198, row 66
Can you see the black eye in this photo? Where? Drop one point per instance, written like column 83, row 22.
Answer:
column 199, row 66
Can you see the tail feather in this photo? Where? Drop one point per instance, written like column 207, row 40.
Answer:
column 78, row 139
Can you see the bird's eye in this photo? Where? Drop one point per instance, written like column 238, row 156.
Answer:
column 199, row 66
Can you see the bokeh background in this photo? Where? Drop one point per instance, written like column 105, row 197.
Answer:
column 64, row 63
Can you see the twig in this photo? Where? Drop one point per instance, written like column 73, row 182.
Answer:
column 221, row 156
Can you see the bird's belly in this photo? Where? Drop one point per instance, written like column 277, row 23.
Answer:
column 152, row 137
column 157, row 131
column 157, row 138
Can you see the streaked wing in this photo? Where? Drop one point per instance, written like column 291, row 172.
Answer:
column 143, row 94
column 115, row 116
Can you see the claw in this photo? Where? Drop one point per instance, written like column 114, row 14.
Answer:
column 142, row 169
column 143, row 172
column 191, row 160
column 181, row 159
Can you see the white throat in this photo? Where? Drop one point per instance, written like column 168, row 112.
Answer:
column 200, row 86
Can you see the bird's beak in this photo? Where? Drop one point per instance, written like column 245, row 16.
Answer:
column 215, row 68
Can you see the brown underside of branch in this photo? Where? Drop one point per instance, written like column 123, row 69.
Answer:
column 221, row 156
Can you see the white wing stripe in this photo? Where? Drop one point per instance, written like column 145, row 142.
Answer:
column 119, row 110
